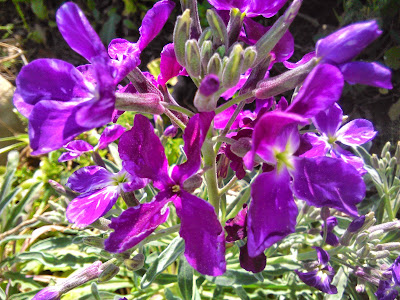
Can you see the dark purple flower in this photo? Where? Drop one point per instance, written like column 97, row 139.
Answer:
column 320, row 277
column 340, row 47
column 59, row 100
column 356, row 224
column 354, row 133
column 100, row 190
column 387, row 288
column 265, row 8
column 143, row 155
column 331, row 238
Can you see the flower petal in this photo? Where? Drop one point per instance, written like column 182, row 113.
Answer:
column 328, row 121
column 319, row 145
column 169, row 66
column 325, row 181
column 252, row 264
column 136, row 223
column 203, row 234
column 110, row 134
column 88, row 207
column 89, row 178
column 78, row 32
column 356, row 132
column 236, row 228
column 367, row 73
column 272, row 213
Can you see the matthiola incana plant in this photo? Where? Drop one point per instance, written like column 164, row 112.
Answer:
column 261, row 186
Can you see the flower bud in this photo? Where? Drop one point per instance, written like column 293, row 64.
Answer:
column 241, row 146
column 393, row 246
column 192, row 58
column 80, row 277
column 386, row 149
column 269, row 40
column 235, row 25
column 325, row 213
column 192, row 183
column 363, row 252
column 94, row 241
column 361, row 240
column 108, row 273
column 171, row 131
column 102, row 224
column 392, row 162
column 249, row 57
column 284, row 82
column 206, row 53
column 360, row 287
column 181, row 35
column 375, row 161
column 375, row 234
column 385, row 227
column 379, row 254
column 61, row 190
column 205, row 36
column 49, row 293
column 397, row 153
column 222, row 166
column 214, row 66
column 356, row 224
column 233, row 67
column 204, row 99
column 148, row 103
column 218, row 27
column 135, row 263
column 195, row 28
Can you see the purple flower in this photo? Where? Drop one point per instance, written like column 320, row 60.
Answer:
column 78, row 147
column 100, row 190
column 340, row 47
column 354, row 133
column 49, row 293
column 331, row 238
column 143, row 154
column 321, row 276
column 265, row 8
column 387, row 288
column 169, row 66
column 62, row 101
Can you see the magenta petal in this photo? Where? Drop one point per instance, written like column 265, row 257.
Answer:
column 136, row 223
column 325, row 181
column 154, row 21
column 50, row 79
column 110, row 134
column 24, row 108
column 252, row 264
column 319, row 145
column 203, row 234
column 89, row 179
column 350, row 158
column 252, row 8
column 344, row 44
column 78, row 32
column 143, row 154
column 322, row 87
column 125, row 56
column 236, row 227
column 194, row 136
column 306, row 58
column 169, row 66
column 78, row 146
column 356, row 132
column 88, row 207
column 272, row 213
column 329, row 120
column 68, row 156
column 367, row 73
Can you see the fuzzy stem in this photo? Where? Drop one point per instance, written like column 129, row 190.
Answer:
column 211, row 174
column 178, row 109
column 234, row 101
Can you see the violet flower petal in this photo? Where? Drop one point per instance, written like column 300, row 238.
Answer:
column 143, row 154
column 78, row 32
column 89, row 178
column 136, row 223
column 325, row 181
column 110, row 134
column 346, row 43
column 193, row 137
column 255, row 8
column 75, row 149
column 349, row 158
column 154, row 21
column 356, row 132
column 50, row 79
column 125, row 57
column 66, row 156
column 305, row 59
column 252, row 264
column 236, row 227
column 368, row 73
column 319, row 145
column 272, row 213
column 322, row 87
column 48, row 293
column 24, row 108
column 203, row 234
column 328, row 121
column 88, row 207
column 169, row 66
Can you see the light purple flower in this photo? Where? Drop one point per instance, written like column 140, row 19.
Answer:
column 100, row 190
column 143, row 155
column 58, row 99
column 354, row 133
column 265, row 8
column 321, row 276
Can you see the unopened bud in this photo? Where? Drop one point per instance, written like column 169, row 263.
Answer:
column 284, row 82
column 192, row 183
column 382, row 164
column 222, row 166
column 360, row 287
column 214, row 66
column 369, row 221
column 218, row 27
column 49, row 293
column 363, row 252
column 361, row 240
column 386, row 149
column 325, row 213
column 235, row 25
column 233, row 67
column 394, row 246
column 241, row 147
column 392, row 162
column 80, row 277
column 269, row 40
column 94, row 241
column 135, row 263
column 61, row 190
column 102, row 224
column 56, row 206
column 181, row 35
column 171, row 131
column 375, row 161
column 356, row 224
column 206, row 53
column 249, row 57
column 205, row 36
column 385, row 227
column 204, row 99
column 379, row 254
column 397, row 153
column 108, row 273
column 148, row 103
column 377, row 234
column 192, row 58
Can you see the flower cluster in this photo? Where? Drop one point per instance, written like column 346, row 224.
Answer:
column 296, row 154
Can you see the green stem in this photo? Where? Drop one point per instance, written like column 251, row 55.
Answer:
column 236, row 207
column 228, row 186
column 161, row 233
column 311, row 255
column 211, row 174
column 234, row 101
column 174, row 119
column 178, row 109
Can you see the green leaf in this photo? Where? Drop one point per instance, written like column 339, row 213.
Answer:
column 2, row 294
column 232, row 277
column 108, row 31
column 185, row 278
column 169, row 296
column 26, row 282
column 241, row 292
column 52, row 243
column 12, row 162
column 167, row 257
column 392, row 58
column 4, row 202
column 39, row 9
